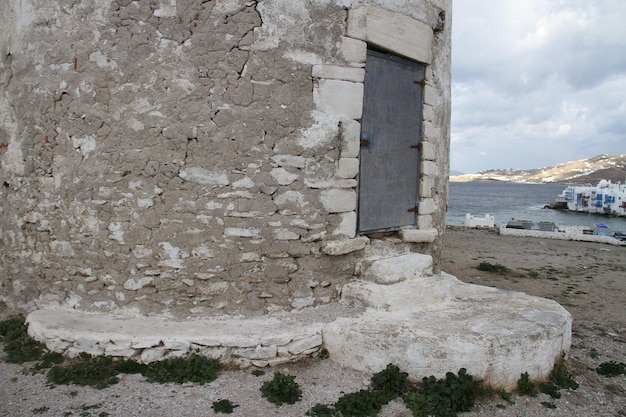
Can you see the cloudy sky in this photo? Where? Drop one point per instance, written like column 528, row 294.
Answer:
column 537, row 82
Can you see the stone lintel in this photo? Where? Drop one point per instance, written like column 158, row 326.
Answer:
column 395, row 32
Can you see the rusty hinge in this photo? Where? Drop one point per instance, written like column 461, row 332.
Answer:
column 422, row 82
column 412, row 210
column 418, row 146
column 365, row 143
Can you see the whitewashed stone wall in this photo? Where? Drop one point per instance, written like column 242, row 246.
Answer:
column 199, row 158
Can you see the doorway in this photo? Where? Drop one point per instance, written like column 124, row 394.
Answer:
column 390, row 143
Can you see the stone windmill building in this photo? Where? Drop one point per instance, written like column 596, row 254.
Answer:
column 265, row 174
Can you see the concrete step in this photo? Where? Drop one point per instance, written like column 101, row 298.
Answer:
column 495, row 334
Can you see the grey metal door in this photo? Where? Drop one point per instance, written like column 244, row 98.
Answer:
column 390, row 143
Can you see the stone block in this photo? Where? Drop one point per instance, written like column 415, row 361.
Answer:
column 203, row 176
column 432, row 134
column 424, row 221
column 339, row 98
column 342, row 247
column 347, row 225
column 430, row 168
column 334, row 72
column 431, row 96
column 353, row 50
column 350, row 139
column 242, row 232
column 258, row 353
column 338, row 201
column 419, row 236
column 291, row 161
column 427, row 185
column 429, row 151
column 399, row 268
column 283, row 177
column 347, row 168
column 427, row 206
column 298, row 346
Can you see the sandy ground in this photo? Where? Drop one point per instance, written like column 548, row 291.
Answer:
column 589, row 279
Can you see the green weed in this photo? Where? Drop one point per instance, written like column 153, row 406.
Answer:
column 101, row 371
column 223, row 406
column 18, row 345
column 192, row 368
column 449, row 395
column 611, row 369
column 489, row 267
column 98, row 372
column 526, row 386
column 281, row 389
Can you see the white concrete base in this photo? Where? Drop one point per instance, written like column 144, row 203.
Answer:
column 496, row 335
column 426, row 324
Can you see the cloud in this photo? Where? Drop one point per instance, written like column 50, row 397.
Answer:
column 537, row 82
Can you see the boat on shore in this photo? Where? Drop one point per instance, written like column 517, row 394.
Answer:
column 604, row 198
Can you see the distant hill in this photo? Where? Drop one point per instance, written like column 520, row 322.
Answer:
column 585, row 171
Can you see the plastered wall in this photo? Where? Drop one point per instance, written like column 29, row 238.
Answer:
column 198, row 158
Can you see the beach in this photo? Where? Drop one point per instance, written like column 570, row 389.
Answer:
column 587, row 278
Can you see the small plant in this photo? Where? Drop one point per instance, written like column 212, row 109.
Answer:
column 489, row 267
column 18, row 345
column 223, row 406
column 551, row 389
column 321, row 410
column 48, row 360
column 101, row 371
column 98, row 372
column 526, row 386
column 546, row 404
column 257, row 372
column 281, row 389
column 324, row 354
column 192, row 368
column 363, row 403
column 454, row 393
column 611, row 369
column 419, row 404
column 386, row 385
column 391, row 382
column 40, row 410
column 561, row 377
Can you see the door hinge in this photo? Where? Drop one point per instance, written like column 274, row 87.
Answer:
column 412, row 210
column 422, row 82
column 418, row 146
column 365, row 143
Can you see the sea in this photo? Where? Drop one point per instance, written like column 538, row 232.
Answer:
column 506, row 201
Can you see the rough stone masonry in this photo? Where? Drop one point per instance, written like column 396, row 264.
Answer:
column 194, row 158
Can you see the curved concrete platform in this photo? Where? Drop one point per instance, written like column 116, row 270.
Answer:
column 496, row 335
column 425, row 324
